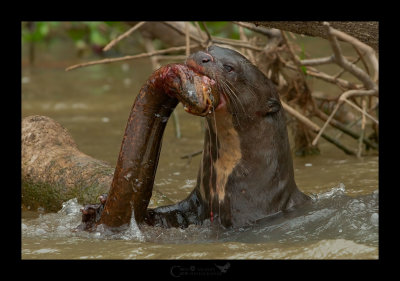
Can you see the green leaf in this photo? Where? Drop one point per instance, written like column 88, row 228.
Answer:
column 304, row 69
column 76, row 34
column 303, row 56
column 97, row 38
column 221, row 29
column 80, row 44
column 43, row 29
column 39, row 32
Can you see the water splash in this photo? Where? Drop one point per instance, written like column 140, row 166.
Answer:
column 129, row 232
column 335, row 191
column 332, row 215
column 70, row 208
column 133, row 232
column 54, row 225
column 64, row 222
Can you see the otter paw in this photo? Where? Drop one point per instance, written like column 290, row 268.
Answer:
column 103, row 198
column 91, row 214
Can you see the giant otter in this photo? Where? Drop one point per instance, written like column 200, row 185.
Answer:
column 246, row 171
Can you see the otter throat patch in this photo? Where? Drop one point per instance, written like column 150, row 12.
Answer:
column 229, row 155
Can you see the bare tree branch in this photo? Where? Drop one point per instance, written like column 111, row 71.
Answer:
column 269, row 32
column 181, row 31
column 365, row 31
column 360, row 140
column 343, row 98
column 343, row 62
column 172, row 57
column 370, row 53
column 361, row 110
column 217, row 40
column 315, row 128
column 122, row 36
column 343, row 129
column 187, row 37
column 209, row 39
column 318, row 61
column 125, row 58
column 274, row 57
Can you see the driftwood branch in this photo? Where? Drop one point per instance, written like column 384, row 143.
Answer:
column 306, row 67
column 293, row 56
column 370, row 53
column 371, row 88
column 341, row 83
column 342, row 128
column 364, row 119
column 177, row 58
column 273, row 50
column 217, row 40
column 122, row 36
column 201, row 33
column 365, row 31
column 361, row 110
column 54, row 170
column 315, row 128
column 190, row 155
column 209, row 39
column 187, row 37
column 343, row 98
column 318, row 61
column 269, row 32
column 343, row 62
column 178, row 28
column 125, row 58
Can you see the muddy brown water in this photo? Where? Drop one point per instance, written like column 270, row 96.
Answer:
column 93, row 104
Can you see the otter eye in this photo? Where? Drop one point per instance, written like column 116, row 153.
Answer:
column 228, row 68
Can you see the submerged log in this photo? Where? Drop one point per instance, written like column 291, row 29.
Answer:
column 54, row 170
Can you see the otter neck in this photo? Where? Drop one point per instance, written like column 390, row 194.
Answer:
column 242, row 166
column 221, row 154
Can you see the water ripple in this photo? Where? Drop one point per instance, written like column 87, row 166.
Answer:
column 334, row 225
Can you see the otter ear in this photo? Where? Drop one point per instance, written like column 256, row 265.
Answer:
column 273, row 105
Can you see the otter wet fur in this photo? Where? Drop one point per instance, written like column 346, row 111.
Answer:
column 246, row 170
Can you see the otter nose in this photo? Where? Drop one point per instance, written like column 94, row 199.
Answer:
column 202, row 58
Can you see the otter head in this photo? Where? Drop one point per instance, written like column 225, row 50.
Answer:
column 235, row 76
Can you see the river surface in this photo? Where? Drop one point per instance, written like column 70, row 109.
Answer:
column 93, row 103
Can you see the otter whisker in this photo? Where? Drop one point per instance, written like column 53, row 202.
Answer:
column 251, row 90
column 230, row 98
column 233, row 95
column 228, row 92
column 236, row 91
column 230, row 86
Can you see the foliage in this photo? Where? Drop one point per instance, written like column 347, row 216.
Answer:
column 82, row 33
column 91, row 36
column 96, row 34
column 222, row 29
column 302, row 57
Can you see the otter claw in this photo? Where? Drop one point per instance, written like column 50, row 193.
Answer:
column 103, row 198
